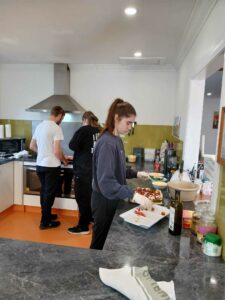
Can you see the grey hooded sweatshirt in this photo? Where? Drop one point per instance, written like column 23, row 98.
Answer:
column 109, row 168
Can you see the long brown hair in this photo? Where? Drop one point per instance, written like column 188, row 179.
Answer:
column 91, row 118
column 122, row 109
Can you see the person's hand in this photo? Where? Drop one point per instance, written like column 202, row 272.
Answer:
column 142, row 200
column 65, row 162
column 69, row 157
column 143, row 175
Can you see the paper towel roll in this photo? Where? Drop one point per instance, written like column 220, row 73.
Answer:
column 8, row 131
column 1, row 131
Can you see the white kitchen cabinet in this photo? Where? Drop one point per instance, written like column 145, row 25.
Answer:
column 6, row 185
column 18, row 182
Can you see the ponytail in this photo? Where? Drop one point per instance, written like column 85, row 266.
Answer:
column 122, row 109
column 92, row 119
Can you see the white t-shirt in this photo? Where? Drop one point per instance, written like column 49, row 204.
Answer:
column 45, row 134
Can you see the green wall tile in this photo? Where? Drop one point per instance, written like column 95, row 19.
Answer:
column 145, row 136
column 151, row 136
column 20, row 128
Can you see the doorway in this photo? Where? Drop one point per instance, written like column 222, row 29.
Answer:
column 193, row 139
column 210, row 122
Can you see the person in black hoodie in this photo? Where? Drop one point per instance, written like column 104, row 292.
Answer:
column 82, row 143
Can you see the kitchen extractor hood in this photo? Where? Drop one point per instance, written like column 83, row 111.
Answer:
column 61, row 95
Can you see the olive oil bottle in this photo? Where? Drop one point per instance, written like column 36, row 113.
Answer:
column 176, row 212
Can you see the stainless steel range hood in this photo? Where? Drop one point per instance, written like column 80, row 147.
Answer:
column 61, row 93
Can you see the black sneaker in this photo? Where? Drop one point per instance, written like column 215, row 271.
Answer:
column 54, row 217
column 78, row 230
column 49, row 225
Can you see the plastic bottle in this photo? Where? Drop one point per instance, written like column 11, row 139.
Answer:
column 157, row 164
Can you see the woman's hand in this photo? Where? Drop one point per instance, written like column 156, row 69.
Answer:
column 69, row 157
column 142, row 200
column 143, row 175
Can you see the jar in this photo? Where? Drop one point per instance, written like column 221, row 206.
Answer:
column 212, row 245
column 207, row 224
column 201, row 207
column 195, row 220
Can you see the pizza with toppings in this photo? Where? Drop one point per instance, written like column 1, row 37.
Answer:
column 155, row 196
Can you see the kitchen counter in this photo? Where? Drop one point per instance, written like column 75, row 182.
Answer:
column 41, row 271
column 5, row 160
column 23, row 159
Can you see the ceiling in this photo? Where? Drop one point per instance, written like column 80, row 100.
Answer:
column 97, row 31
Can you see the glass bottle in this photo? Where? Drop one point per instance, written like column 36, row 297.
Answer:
column 201, row 208
column 176, row 212
column 207, row 224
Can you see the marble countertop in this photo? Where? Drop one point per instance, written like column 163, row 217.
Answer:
column 41, row 271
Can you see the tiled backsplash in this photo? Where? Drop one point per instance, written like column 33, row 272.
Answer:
column 20, row 128
column 146, row 136
column 151, row 136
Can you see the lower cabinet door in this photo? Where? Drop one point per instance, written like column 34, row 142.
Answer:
column 6, row 186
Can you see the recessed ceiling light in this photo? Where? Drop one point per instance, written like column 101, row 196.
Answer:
column 138, row 54
column 130, row 11
column 209, row 94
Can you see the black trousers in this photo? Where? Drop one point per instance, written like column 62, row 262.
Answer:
column 49, row 178
column 65, row 183
column 83, row 192
column 103, row 211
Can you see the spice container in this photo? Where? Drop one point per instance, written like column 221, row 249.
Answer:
column 201, row 207
column 212, row 245
column 207, row 224
column 187, row 219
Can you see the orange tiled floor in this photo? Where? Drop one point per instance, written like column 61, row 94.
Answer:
column 22, row 225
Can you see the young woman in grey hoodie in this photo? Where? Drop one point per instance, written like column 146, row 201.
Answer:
column 109, row 171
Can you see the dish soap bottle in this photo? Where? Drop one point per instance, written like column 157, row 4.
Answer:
column 176, row 212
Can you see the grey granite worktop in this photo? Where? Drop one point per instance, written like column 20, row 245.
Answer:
column 6, row 160
column 23, row 158
column 40, row 271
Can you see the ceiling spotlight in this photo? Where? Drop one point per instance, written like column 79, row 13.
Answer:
column 130, row 11
column 209, row 94
column 138, row 54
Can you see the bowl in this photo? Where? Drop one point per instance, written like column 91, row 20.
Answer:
column 159, row 184
column 188, row 189
column 131, row 158
column 156, row 175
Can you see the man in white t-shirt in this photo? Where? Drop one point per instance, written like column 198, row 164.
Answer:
column 46, row 142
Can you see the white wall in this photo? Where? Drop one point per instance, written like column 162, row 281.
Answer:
column 211, row 105
column 21, row 86
column 210, row 41
column 152, row 92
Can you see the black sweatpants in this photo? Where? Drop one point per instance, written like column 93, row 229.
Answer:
column 83, row 191
column 103, row 211
column 49, row 178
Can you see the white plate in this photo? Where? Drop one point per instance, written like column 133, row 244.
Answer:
column 151, row 217
column 159, row 184
column 159, row 175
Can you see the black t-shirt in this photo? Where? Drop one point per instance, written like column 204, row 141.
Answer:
column 82, row 143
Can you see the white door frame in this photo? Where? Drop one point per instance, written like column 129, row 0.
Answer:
column 194, row 119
